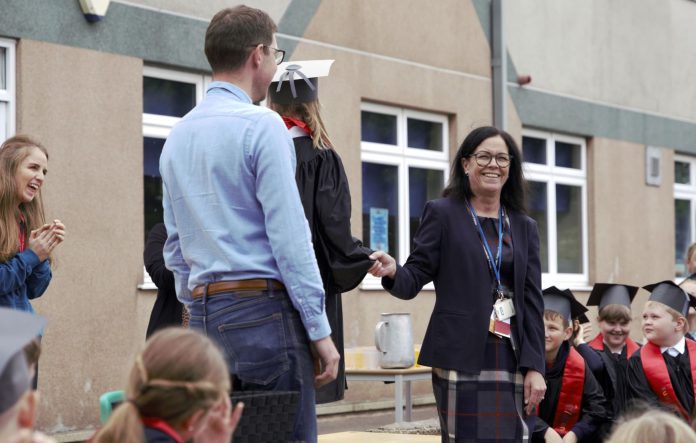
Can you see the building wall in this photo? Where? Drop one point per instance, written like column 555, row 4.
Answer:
column 86, row 106
column 636, row 54
column 596, row 74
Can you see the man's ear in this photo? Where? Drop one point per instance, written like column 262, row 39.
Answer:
column 26, row 419
column 568, row 332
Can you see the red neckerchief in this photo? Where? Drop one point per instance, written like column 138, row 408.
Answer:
column 569, row 403
column 291, row 121
column 22, row 231
column 161, row 425
column 598, row 344
column 655, row 370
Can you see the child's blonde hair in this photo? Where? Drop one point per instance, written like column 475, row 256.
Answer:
column 676, row 315
column 179, row 373
column 652, row 426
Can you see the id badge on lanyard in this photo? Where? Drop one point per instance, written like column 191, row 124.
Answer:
column 503, row 308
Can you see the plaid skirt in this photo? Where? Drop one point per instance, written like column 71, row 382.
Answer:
column 488, row 407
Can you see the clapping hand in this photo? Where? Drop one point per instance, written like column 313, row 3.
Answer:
column 44, row 239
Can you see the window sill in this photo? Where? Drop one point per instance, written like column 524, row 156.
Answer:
column 147, row 286
column 371, row 283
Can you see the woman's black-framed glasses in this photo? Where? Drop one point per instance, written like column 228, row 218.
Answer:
column 484, row 159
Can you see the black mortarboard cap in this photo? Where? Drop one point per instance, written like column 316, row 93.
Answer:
column 563, row 302
column 298, row 82
column 668, row 293
column 604, row 294
column 17, row 329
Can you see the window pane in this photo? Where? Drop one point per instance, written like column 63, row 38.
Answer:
column 682, row 240
column 534, row 150
column 681, row 172
column 569, row 228
column 380, row 190
column 378, row 128
column 3, row 121
column 424, row 134
column 3, row 74
column 152, row 148
column 168, row 97
column 423, row 185
column 568, row 155
column 538, row 210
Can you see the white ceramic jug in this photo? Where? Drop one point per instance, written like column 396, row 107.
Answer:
column 394, row 340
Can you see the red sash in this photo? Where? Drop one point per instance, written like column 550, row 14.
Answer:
column 569, row 403
column 655, row 370
column 598, row 344
column 163, row 426
column 290, row 122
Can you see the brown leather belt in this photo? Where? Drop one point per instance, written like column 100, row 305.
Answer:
column 219, row 287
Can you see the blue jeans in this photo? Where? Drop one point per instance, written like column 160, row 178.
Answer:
column 265, row 345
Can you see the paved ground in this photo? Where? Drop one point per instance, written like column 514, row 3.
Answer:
column 425, row 416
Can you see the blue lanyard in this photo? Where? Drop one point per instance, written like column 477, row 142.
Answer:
column 494, row 266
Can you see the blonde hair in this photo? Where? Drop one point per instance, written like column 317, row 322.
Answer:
column 308, row 113
column 179, row 373
column 676, row 315
column 690, row 252
column 12, row 152
column 652, row 426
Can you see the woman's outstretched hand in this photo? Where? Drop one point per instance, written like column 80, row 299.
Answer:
column 384, row 265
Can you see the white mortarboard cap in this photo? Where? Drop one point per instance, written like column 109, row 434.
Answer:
column 296, row 82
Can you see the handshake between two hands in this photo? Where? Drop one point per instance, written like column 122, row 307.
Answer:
column 384, row 265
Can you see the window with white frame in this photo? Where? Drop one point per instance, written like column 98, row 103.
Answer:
column 7, row 88
column 167, row 96
column 555, row 167
column 684, row 210
column 404, row 157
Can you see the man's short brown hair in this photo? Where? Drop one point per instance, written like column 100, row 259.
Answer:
column 233, row 32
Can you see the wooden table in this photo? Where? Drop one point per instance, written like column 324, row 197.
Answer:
column 402, row 379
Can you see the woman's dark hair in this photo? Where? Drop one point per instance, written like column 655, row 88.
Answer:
column 513, row 195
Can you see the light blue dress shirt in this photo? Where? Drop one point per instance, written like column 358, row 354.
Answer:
column 231, row 205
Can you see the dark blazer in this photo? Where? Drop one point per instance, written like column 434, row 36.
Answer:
column 447, row 251
column 167, row 310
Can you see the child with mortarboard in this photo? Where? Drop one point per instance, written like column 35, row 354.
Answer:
column 574, row 407
column 661, row 374
column 613, row 343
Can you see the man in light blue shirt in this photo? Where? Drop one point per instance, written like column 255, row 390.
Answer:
column 238, row 241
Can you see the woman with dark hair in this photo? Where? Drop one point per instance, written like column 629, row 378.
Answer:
column 485, row 339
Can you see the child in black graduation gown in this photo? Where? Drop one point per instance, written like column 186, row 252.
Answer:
column 574, row 407
column 661, row 374
column 613, row 344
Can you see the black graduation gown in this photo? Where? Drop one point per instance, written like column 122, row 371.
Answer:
column 595, row 408
column 613, row 381
column 679, row 370
column 343, row 260
column 167, row 309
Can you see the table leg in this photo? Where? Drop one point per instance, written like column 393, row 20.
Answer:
column 409, row 400
column 399, row 398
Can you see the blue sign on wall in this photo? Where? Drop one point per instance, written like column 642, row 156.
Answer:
column 379, row 229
